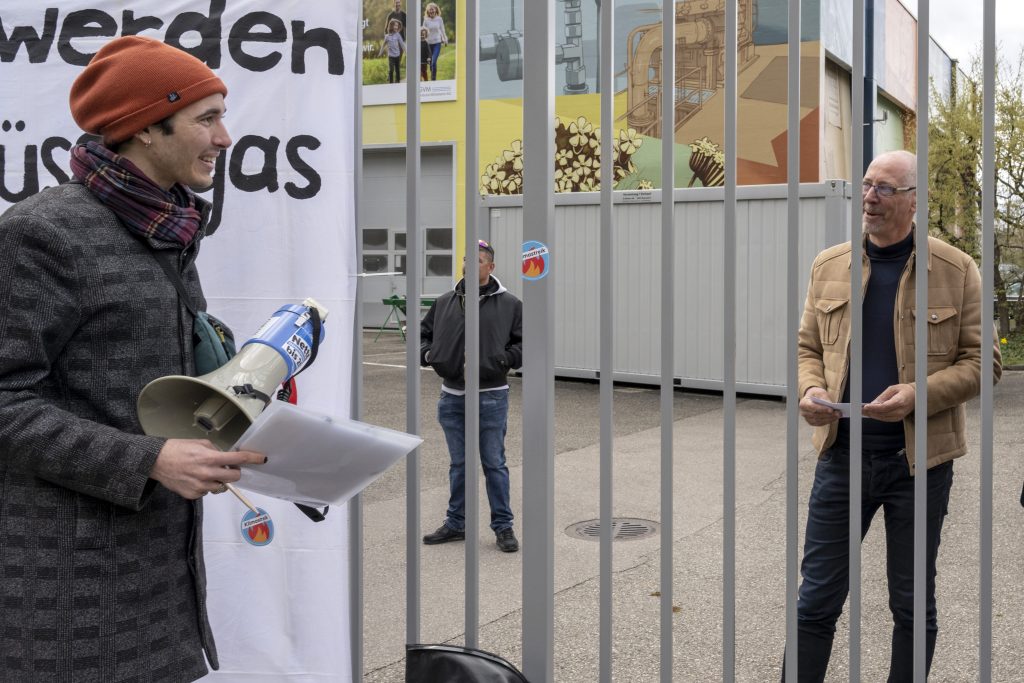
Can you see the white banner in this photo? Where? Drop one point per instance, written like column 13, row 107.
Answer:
column 283, row 215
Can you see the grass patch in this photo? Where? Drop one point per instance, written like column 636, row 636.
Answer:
column 1013, row 349
column 375, row 69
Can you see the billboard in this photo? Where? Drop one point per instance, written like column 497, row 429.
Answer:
column 388, row 33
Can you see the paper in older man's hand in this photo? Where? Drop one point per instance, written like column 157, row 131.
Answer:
column 843, row 408
column 315, row 459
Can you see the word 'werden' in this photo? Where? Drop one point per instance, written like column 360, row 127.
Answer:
column 259, row 28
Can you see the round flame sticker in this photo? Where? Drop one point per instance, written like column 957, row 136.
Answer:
column 258, row 529
column 536, row 259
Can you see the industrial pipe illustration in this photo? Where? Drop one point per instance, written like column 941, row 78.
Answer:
column 506, row 49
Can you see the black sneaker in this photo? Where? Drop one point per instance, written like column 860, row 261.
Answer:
column 444, row 534
column 507, row 542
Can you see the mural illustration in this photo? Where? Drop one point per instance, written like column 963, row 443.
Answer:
column 577, row 160
column 707, row 161
column 698, row 91
column 501, row 43
column 700, row 59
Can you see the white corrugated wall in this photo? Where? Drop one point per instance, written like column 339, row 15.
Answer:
column 762, row 225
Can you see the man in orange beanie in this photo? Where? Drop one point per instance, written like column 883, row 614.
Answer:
column 101, row 565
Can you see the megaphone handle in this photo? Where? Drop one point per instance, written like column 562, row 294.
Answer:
column 250, row 390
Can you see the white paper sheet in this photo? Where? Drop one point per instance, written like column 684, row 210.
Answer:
column 843, row 408
column 316, row 459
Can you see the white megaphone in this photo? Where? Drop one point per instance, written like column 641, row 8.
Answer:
column 221, row 405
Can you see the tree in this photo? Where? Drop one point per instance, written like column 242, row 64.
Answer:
column 955, row 178
column 954, row 166
column 1009, row 164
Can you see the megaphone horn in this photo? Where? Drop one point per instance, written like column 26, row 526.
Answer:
column 221, row 405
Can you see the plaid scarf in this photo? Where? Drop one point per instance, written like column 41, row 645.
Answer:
column 144, row 207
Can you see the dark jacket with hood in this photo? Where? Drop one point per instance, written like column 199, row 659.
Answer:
column 443, row 340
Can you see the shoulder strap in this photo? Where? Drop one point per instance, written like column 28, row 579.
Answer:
column 175, row 277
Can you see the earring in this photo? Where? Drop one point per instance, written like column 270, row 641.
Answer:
column 147, row 143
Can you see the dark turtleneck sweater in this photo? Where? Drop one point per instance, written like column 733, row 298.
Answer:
column 879, row 368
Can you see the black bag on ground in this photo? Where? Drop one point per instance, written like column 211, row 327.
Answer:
column 455, row 664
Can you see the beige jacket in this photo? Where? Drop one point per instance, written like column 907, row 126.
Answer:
column 954, row 341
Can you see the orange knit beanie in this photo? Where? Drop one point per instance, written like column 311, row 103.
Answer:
column 133, row 82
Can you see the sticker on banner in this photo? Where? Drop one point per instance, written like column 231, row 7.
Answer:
column 536, row 260
column 257, row 529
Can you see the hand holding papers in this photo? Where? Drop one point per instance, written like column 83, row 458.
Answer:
column 843, row 408
column 315, row 459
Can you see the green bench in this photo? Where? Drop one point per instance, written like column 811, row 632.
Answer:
column 396, row 308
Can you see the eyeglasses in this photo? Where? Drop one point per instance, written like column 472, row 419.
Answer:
column 486, row 247
column 883, row 190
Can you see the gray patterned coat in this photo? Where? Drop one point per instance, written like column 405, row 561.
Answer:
column 101, row 569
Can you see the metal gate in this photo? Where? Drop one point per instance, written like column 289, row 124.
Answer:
column 538, row 625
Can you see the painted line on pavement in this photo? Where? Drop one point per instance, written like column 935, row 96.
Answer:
column 390, row 365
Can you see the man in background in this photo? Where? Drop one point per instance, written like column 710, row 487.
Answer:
column 398, row 14
column 443, row 348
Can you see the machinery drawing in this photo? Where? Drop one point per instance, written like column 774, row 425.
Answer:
column 699, row 56
column 506, row 49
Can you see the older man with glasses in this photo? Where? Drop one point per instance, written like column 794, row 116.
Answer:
column 501, row 349
column 887, row 470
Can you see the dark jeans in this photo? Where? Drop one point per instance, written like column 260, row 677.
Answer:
column 395, row 69
column 451, row 413
column 885, row 483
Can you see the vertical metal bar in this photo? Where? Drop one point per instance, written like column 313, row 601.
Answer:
column 668, row 324
column 413, row 256
column 472, row 404
column 921, row 348
column 856, row 335
column 607, row 294
column 538, row 347
column 355, row 505
column 870, row 84
column 988, row 174
column 792, row 323
column 729, row 352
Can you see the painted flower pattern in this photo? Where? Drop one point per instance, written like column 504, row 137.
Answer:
column 577, row 160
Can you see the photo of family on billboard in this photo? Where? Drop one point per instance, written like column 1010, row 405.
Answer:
column 387, row 30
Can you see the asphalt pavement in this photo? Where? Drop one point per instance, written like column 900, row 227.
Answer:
column 697, row 543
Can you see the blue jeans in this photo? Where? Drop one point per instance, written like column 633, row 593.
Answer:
column 435, row 54
column 451, row 413
column 885, row 483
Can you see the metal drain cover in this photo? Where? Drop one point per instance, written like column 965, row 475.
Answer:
column 623, row 529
